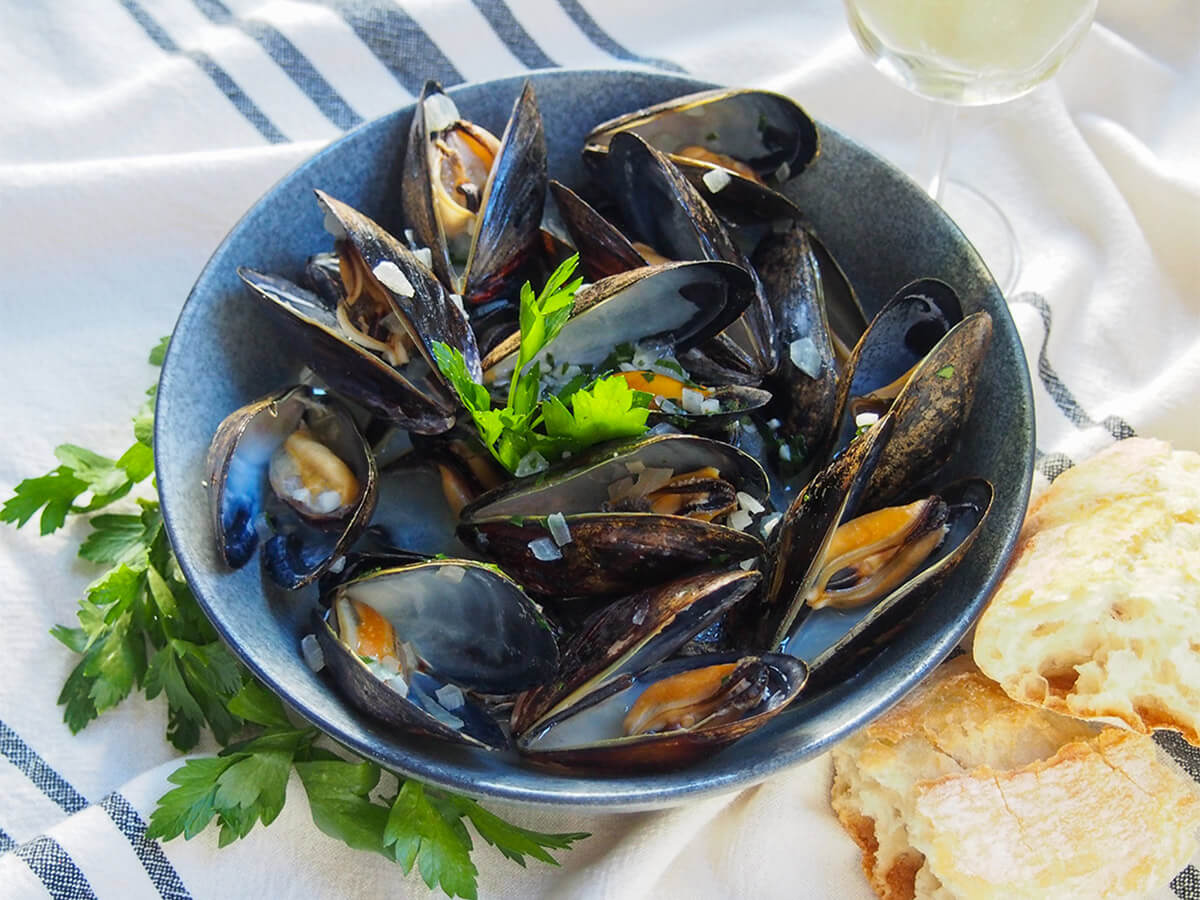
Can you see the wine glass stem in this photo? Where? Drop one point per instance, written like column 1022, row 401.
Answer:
column 935, row 148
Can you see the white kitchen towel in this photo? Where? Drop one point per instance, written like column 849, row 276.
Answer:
column 135, row 132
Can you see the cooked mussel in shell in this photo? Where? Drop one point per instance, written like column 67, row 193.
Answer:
column 409, row 645
column 670, row 715
column 292, row 465
column 624, row 517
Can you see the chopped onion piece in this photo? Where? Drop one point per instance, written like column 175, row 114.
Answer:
column 440, row 113
column 397, row 683
column 544, row 550
column 410, row 237
column 450, row 696
column 639, row 615
column 453, row 574
column 558, row 528
column 691, row 401
column 457, row 300
column 425, row 255
column 311, row 650
column 333, row 226
column 651, row 479
column 711, row 406
column 408, row 657
column 749, row 503
column 326, row 502
column 635, row 466
column 773, row 424
column 769, row 522
column 662, row 428
column 440, row 713
column 530, row 464
column 740, row 519
column 716, row 180
column 336, row 567
column 805, row 356
column 784, row 172
column 620, row 489
column 390, row 276
column 785, row 452
column 746, row 564
column 863, row 419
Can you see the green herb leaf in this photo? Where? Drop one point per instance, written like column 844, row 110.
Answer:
column 257, row 784
column 159, row 351
column 189, row 808
column 417, row 831
column 338, row 798
column 945, row 372
column 114, row 539
column 607, row 410
column 511, row 840
column 55, row 491
column 255, row 703
column 143, row 419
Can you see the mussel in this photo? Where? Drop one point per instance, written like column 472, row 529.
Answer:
column 623, row 517
column 294, row 465
column 668, row 716
column 475, row 201
column 409, row 645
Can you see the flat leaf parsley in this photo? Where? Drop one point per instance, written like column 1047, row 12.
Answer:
column 533, row 423
column 141, row 627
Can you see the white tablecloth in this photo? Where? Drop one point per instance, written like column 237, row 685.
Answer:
column 134, row 132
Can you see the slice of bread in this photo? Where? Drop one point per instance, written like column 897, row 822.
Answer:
column 960, row 792
column 1099, row 614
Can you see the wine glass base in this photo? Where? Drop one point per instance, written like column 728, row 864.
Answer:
column 988, row 230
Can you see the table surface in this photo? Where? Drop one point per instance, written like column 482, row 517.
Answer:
column 137, row 131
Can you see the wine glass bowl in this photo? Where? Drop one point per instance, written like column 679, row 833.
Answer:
column 969, row 52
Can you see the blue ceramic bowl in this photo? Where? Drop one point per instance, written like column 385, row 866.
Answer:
column 882, row 229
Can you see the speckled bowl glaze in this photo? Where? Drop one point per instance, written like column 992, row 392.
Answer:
column 880, row 226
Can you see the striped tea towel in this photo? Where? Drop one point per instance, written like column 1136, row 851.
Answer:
column 135, row 132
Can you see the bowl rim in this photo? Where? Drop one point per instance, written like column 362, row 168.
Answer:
column 665, row 791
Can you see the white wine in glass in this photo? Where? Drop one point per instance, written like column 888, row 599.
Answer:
column 969, row 53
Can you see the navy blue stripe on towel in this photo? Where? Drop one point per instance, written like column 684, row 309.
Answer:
column 55, row 869
column 154, row 861
column 604, row 40
column 1187, row 883
column 6, row 842
column 399, row 43
column 219, row 76
column 1056, row 388
column 515, row 37
column 35, row 769
column 293, row 63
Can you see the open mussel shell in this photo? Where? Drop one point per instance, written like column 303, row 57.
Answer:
column 836, row 651
column 660, row 208
column 908, row 326
column 603, row 249
column 508, row 205
column 311, row 321
column 806, row 382
column 630, row 635
column 758, row 128
column 610, row 553
column 675, row 305
column 731, row 694
column 303, row 544
column 799, row 541
column 466, row 624
column 422, row 302
column 931, row 411
column 702, row 409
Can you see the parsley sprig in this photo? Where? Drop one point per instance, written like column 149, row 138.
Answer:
column 141, row 627
column 550, row 426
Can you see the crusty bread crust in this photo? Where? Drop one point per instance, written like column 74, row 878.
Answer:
column 1099, row 614
column 960, row 792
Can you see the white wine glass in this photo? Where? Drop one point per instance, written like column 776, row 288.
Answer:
column 969, row 53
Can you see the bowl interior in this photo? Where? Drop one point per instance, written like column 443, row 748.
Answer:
column 882, row 229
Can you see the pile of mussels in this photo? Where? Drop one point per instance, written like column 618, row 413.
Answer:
column 645, row 604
